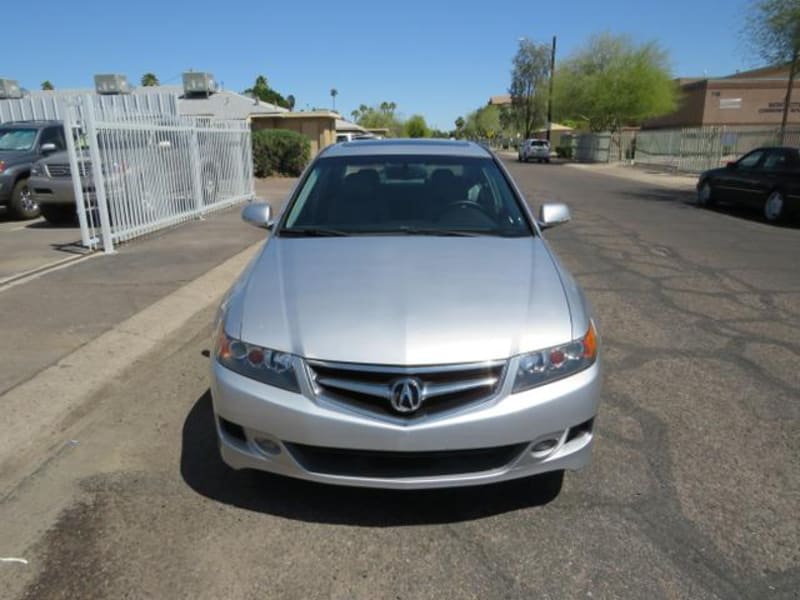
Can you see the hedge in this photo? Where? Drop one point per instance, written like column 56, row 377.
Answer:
column 279, row 151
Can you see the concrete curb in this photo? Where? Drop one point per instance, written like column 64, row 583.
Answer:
column 38, row 410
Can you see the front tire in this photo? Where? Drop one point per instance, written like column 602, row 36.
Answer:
column 775, row 207
column 705, row 195
column 23, row 205
column 59, row 214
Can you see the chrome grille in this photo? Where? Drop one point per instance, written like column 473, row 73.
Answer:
column 59, row 170
column 64, row 170
column 369, row 387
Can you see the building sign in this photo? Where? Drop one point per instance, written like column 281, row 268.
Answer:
column 730, row 103
column 777, row 107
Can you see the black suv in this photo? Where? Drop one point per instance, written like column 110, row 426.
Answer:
column 21, row 144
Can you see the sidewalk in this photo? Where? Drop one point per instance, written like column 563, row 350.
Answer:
column 648, row 175
column 46, row 318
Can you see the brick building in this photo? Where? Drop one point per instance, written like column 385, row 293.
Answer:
column 748, row 98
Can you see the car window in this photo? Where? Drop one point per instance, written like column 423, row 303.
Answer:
column 539, row 143
column 53, row 135
column 749, row 161
column 17, row 139
column 404, row 195
column 775, row 160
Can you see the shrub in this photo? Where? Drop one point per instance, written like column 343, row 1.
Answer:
column 564, row 151
column 279, row 151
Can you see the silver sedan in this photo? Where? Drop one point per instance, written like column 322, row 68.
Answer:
column 406, row 325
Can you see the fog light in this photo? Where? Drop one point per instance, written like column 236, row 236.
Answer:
column 268, row 446
column 544, row 446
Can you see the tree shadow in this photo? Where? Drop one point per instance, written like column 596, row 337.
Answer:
column 203, row 470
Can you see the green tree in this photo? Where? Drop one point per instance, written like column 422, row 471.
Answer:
column 290, row 101
column 379, row 117
column 529, row 80
column 612, row 82
column 416, row 127
column 459, row 123
column 263, row 92
column 46, row 85
column 773, row 29
column 149, row 80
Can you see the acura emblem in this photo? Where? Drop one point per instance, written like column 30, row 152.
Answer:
column 406, row 395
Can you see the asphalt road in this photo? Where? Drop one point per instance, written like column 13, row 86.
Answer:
column 694, row 491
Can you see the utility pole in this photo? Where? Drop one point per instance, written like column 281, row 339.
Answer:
column 550, row 95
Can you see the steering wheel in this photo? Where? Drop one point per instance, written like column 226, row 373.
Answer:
column 469, row 204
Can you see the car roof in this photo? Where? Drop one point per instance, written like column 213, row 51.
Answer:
column 407, row 147
column 28, row 124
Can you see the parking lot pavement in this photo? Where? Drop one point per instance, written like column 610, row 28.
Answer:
column 27, row 246
column 693, row 492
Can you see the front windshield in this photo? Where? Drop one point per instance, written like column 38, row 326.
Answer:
column 17, row 139
column 406, row 195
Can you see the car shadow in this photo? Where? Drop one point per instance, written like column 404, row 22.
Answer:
column 688, row 199
column 203, row 470
column 44, row 224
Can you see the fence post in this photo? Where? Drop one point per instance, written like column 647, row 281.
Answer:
column 65, row 108
column 97, row 174
column 197, row 176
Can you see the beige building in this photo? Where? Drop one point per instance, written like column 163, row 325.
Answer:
column 748, row 98
column 318, row 126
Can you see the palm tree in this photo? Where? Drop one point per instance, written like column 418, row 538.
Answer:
column 290, row 102
column 334, row 93
column 46, row 85
column 150, row 80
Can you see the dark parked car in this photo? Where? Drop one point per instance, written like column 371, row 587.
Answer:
column 766, row 178
column 21, row 144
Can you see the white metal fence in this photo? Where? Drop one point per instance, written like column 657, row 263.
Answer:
column 695, row 149
column 47, row 106
column 156, row 169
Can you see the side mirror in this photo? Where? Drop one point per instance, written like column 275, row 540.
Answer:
column 258, row 214
column 48, row 148
column 730, row 165
column 552, row 214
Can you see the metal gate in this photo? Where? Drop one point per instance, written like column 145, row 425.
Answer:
column 138, row 169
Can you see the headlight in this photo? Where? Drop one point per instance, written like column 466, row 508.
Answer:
column 37, row 170
column 544, row 366
column 265, row 365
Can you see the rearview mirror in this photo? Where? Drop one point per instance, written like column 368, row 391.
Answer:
column 48, row 148
column 258, row 214
column 552, row 214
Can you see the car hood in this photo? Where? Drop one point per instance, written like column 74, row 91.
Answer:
column 404, row 300
column 12, row 157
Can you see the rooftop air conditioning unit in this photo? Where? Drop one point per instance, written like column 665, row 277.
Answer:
column 198, row 83
column 9, row 88
column 112, row 84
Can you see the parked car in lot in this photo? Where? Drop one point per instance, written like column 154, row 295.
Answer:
column 21, row 144
column 151, row 172
column 766, row 178
column 534, row 149
column 406, row 326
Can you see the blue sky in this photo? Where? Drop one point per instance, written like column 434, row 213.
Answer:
column 441, row 59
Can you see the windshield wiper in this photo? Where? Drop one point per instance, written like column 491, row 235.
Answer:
column 441, row 231
column 313, row 232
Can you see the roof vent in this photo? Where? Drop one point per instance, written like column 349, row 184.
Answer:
column 9, row 88
column 112, row 84
column 202, row 84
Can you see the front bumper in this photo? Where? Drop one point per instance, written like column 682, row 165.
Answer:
column 52, row 191
column 267, row 428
